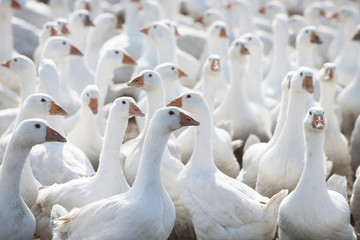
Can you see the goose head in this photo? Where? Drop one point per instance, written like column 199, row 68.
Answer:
column 40, row 105
column 356, row 37
column 83, row 4
column 63, row 26
column 58, row 47
column 328, row 73
column 213, row 65
column 238, row 51
column 21, row 65
column 314, row 12
column 209, row 16
column 36, row 131
column 253, row 43
column 80, row 19
column 158, row 31
column 297, row 22
column 308, row 36
column 152, row 11
column 286, row 82
column 347, row 15
column 169, row 72
column 90, row 98
column 49, row 29
column 125, row 107
column 280, row 24
column 217, row 30
column 146, row 80
column 302, row 81
column 11, row 5
column 169, row 119
column 241, row 7
column 114, row 58
column 315, row 120
column 107, row 22
column 190, row 101
column 272, row 8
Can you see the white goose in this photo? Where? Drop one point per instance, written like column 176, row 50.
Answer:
column 109, row 180
column 355, row 200
column 324, row 215
column 336, row 145
column 6, row 12
column 349, row 99
column 143, row 212
column 87, row 126
column 246, row 117
column 151, row 83
column 17, row 220
column 355, row 146
column 104, row 24
column 203, row 190
column 252, row 156
column 223, row 155
column 49, row 29
column 58, row 48
column 285, row 158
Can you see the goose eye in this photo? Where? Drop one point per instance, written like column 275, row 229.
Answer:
column 310, row 113
column 150, row 75
column 172, row 68
column 301, row 74
column 64, row 43
column 43, row 100
column 15, row 60
column 47, row 27
column 188, row 96
column 123, row 102
column 307, row 31
column 249, row 38
column 37, row 125
column 80, row 14
column 155, row 26
column 237, row 44
column 116, row 52
column 87, row 94
column 323, row 113
column 171, row 113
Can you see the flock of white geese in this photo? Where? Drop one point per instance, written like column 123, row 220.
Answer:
column 247, row 117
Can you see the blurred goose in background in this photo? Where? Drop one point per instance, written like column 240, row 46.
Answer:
column 354, row 146
column 18, row 222
column 49, row 29
column 333, row 217
column 336, row 145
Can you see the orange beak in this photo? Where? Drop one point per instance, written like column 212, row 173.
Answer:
column 318, row 121
column 228, row 6
column 127, row 60
column 308, row 84
column 65, row 30
column 223, row 33
column 335, row 16
column 6, row 63
column 137, row 82
column 356, row 36
column 186, row 120
column 244, row 50
column 322, row 13
column 93, row 105
column 177, row 102
column 215, row 65
column 329, row 74
column 75, row 51
column 53, row 136
column 135, row 111
column 88, row 22
column 145, row 30
column 57, row 110
column 199, row 19
column 181, row 73
column 261, row 10
column 315, row 38
column 119, row 25
column 15, row 5
column 53, row 31
column 87, row 6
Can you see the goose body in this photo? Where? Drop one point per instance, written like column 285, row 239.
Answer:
column 287, row 161
column 128, row 214
column 326, row 213
column 202, row 188
column 16, row 218
column 79, row 192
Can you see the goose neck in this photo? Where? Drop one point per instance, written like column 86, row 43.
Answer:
column 314, row 170
column 327, row 96
column 11, row 168
column 304, row 54
column 102, row 79
column 209, row 89
column 155, row 100
column 202, row 156
column 109, row 164
column 281, row 118
column 237, row 88
column 148, row 175
column 27, row 83
column 166, row 47
column 255, row 73
column 131, row 21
